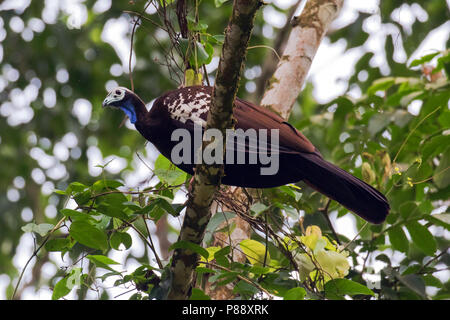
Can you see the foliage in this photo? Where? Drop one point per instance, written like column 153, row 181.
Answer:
column 394, row 134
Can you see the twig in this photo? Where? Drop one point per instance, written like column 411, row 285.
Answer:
column 130, row 73
column 412, row 131
column 432, row 260
column 149, row 243
column 325, row 214
column 35, row 254
column 354, row 238
column 251, row 282
column 267, row 47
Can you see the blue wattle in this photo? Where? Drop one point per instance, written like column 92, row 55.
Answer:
column 128, row 108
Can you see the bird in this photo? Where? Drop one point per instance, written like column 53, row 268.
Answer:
column 299, row 160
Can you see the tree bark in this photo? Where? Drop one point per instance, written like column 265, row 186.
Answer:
column 307, row 33
column 271, row 60
column 207, row 177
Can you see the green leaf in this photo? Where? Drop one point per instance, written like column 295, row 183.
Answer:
column 381, row 85
column 41, row 229
column 441, row 175
column 76, row 215
column 444, row 119
column 198, row 294
column 422, row 237
column 413, row 282
column 218, row 39
column 442, row 219
column 295, row 294
column 112, row 210
column 190, row 246
column 424, row 59
column 443, row 63
column 215, row 221
column 202, row 270
column 119, row 238
column 44, row 228
column 245, row 289
column 255, row 251
column 194, row 25
column 165, row 3
column 113, row 205
column 102, row 261
column 58, row 244
column 75, row 187
column 258, row 208
column 378, row 122
column 432, row 281
column 167, row 172
column 106, row 185
column 82, row 198
column 398, row 239
column 198, row 55
column 219, row 3
column 409, row 209
column 60, row 290
column 337, row 288
column 221, row 256
column 435, row 146
column 88, row 235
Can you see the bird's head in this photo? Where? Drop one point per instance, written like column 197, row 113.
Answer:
column 124, row 99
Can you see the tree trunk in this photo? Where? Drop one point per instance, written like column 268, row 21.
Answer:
column 207, row 178
column 307, row 32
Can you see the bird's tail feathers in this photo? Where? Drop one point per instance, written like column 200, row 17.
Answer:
column 349, row 191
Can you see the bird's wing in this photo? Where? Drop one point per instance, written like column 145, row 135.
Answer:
column 248, row 116
column 189, row 106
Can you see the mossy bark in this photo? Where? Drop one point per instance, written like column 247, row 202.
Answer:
column 207, row 177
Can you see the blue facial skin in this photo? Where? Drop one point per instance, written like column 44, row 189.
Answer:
column 128, row 108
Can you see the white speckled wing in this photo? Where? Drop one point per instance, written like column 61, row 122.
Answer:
column 190, row 103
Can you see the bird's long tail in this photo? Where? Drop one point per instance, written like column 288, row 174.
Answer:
column 339, row 185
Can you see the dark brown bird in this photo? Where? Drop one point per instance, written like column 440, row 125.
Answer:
column 187, row 108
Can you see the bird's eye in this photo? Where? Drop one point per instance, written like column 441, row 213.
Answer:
column 117, row 91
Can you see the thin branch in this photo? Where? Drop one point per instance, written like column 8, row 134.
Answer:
column 149, row 243
column 56, row 227
column 330, row 224
column 413, row 130
column 251, row 282
column 354, row 238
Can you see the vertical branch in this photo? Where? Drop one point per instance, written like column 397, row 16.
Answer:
column 207, row 177
column 130, row 71
column 182, row 18
column 272, row 58
column 307, row 32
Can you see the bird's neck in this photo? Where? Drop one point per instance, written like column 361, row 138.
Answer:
column 134, row 109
